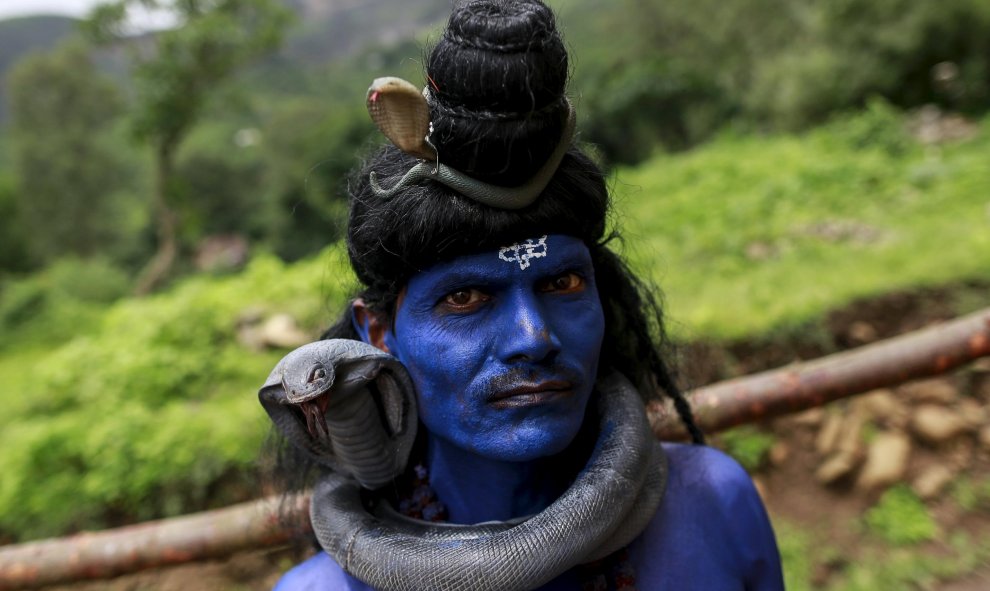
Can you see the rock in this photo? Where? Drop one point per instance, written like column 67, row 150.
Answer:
column 861, row 333
column 883, row 407
column 930, row 483
column 972, row 412
column 828, row 435
column 761, row 488
column 985, row 437
column 935, row 391
column 979, row 372
column 836, row 468
column 221, row 252
column 281, row 331
column 960, row 454
column 850, row 440
column 779, row 452
column 761, row 251
column 886, row 460
column 937, row 425
column 812, row 417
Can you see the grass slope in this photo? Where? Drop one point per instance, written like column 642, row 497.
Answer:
column 751, row 235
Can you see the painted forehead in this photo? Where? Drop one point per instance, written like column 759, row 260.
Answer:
column 527, row 256
column 524, row 252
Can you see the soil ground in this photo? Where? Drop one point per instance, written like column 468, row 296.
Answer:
column 791, row 490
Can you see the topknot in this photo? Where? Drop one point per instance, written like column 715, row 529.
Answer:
column 498, row 76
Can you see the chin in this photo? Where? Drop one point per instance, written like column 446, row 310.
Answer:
column 530, row 439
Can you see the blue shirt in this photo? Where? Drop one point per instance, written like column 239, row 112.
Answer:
column 711, row 533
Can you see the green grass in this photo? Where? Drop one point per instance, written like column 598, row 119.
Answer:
column 747, row 444
column 867, row 564
column 900, row 518
column 751, row 235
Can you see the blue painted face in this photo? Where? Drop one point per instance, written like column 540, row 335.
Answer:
column 503, row 347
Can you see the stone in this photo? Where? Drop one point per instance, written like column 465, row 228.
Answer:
column 281, row 331
column 812, row 417
column 985, row 437
column 960, row 453
column 979, row 384
column 972, row 412
column 884, row 407
column 836, row 468
column 934, row 391
column 936, row 424
column 828, row 434
column 761, row 488
column 850, row 439
column 861, row 333
column 930, row 483
column 222, row 252
column 778, row 454
column 761, row 251
column 886, row 460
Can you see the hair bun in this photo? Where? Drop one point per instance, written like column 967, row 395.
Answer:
column 498, row 76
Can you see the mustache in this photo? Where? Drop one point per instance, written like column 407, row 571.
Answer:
column 521, row 377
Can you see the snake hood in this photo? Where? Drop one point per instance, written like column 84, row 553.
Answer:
column 347, row 405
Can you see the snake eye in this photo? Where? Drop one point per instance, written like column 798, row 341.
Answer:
column 317, row 373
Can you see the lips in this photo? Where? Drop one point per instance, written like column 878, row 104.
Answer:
column 531, row 394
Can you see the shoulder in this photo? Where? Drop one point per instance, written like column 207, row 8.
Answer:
column 711, row 530
column 702, row 470
column 319, row 573
column 709, row 491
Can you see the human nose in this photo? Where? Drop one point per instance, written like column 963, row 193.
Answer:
column 528, row 333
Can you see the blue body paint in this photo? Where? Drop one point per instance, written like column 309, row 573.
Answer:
column 504, row 359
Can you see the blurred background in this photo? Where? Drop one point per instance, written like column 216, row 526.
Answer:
column 799, row 177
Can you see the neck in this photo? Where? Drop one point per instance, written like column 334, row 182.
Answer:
column 476, row 489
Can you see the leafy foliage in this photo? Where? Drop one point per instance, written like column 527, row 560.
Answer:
column 146, row 410
column 711, row 63
column 67, row 168
column 174, row 81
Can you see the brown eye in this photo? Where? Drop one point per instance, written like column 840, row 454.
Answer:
column 568, row 282
column 464, row 299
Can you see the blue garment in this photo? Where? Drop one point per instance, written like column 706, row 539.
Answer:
column 711, row 533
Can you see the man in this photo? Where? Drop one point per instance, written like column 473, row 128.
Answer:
column 487, row 275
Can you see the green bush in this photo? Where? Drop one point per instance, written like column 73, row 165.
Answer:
column 155, row 408
column 670, row 73
column 66, row 298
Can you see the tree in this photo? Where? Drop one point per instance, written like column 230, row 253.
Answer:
column 176, row 72
column 65, row 164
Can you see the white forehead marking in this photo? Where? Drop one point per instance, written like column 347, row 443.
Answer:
column 523, row 252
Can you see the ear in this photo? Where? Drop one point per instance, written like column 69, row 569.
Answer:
column 372, row 327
